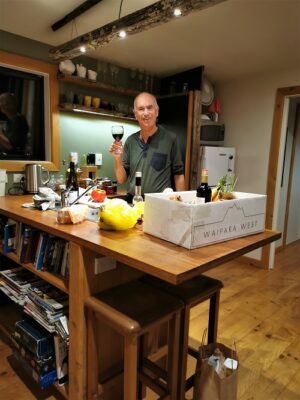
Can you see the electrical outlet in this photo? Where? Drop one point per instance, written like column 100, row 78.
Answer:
column 98, row 159
column 17, row 178
column 74, row 157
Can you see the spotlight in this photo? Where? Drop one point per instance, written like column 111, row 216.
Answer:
column 82, row 49
column 177, row 12
column 122, row 34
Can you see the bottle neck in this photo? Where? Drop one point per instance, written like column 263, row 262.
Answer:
column 138, row 190
column 204, row 178
column 72, row 179
column 138, row 185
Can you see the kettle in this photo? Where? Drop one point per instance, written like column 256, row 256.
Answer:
column 33, row 177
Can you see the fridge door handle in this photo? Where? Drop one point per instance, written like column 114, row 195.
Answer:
column 230, row 163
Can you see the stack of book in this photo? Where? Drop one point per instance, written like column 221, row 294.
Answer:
column 34, row 349
column 47, row 305
column 16, row 282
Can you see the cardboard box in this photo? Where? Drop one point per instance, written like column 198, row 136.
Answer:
column 194, row 225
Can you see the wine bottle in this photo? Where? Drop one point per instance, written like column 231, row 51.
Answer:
column 204, row 191
column 72, row 185
column 137, row 198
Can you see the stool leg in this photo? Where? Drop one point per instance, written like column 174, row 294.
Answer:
column 173, row 354
column 92, row 361
column 213, row 318
column 183, row 352
column 130, row 367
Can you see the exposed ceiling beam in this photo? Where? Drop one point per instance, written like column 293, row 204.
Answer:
column 75, row 13
column 136, row 22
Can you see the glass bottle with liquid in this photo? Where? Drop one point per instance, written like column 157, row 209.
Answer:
column 203, row 190
column 138, row 200
column 72, row 184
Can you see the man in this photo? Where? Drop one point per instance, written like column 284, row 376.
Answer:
column 153, row 150
column 13, row 138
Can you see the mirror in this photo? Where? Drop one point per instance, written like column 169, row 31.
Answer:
column 42, row 143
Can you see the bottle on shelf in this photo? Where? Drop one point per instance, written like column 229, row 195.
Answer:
column 72, row 184
column 204, row 191
column 138, row 198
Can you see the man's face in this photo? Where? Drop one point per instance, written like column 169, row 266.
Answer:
column 146, row 111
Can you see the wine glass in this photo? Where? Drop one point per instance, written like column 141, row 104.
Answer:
column 117, row 132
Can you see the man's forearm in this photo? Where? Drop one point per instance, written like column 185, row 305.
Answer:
column 120, row 171
column 179, row 183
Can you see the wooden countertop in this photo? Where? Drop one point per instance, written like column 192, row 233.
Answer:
column 133, row 247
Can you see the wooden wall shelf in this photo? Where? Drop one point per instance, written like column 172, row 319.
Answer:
column 96, row 85
column 101, row 112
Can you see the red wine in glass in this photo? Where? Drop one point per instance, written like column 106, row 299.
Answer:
column 118, row 136
column 117, row 132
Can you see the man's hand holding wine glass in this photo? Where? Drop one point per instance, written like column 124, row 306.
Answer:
column 117, row 132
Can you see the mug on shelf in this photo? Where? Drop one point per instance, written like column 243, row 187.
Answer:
column 87, row 101
column 81, row 70
column 92, row 75
column 96, row 102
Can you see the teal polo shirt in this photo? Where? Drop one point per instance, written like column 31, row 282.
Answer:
column 159, row 160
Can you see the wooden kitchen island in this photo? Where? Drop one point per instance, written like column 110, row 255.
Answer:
column 134, row 252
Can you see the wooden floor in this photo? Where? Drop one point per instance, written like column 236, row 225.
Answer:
column 259, row 310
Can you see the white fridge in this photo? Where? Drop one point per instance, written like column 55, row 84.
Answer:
column 219, row 161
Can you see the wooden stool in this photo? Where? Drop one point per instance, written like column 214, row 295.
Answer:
column 133, row 310
column 192, row 293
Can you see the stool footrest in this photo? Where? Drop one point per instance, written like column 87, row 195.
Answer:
column 156, row 386
column 155, row 369
column 189, row 383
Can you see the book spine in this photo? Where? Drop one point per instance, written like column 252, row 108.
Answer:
column 27, row 233
column 61, row 359
column 9, row 237
column 44, row 380
column 40, row 346
column 40, row 365
column 40, row 251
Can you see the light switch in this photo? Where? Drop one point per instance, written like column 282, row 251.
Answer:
column 98, row 159
column 74, row 157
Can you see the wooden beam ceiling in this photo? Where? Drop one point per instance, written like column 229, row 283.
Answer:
column 136, row 22
column 73, row 14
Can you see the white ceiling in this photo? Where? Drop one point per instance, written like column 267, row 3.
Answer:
column 234, row 39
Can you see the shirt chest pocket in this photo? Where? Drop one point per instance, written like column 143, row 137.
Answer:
column 159, row 161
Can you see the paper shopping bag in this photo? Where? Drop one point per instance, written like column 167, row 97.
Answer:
column 210, row 384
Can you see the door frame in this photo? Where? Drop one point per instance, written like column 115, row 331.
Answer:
column 291, row 172
column 281, row 95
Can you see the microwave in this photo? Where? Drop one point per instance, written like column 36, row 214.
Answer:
column 212, row 133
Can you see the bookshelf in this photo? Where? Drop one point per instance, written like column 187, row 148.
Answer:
column 56, row 280
column 38, row 298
